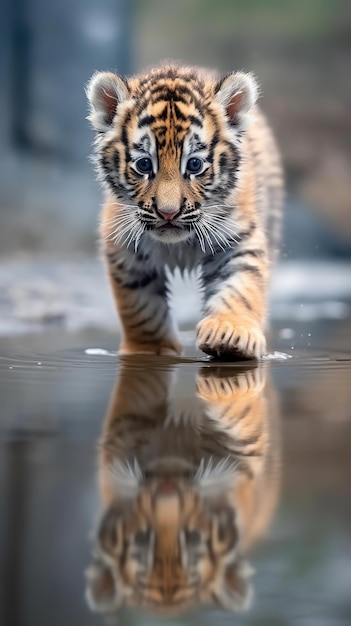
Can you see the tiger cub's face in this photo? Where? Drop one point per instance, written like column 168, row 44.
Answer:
column 168, row 149
column 167, row 545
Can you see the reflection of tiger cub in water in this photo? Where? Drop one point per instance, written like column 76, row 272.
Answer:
column 193, row 179
column 185, row 494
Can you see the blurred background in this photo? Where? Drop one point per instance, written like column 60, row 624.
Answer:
column 49, row 199
column 300, row 52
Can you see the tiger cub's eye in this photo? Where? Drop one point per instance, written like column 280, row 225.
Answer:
column 144, row 165
column 192, row 537
column 194, row 165
column 142, row 538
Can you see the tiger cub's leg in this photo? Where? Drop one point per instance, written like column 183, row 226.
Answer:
column 235, row 287
column 140, row 296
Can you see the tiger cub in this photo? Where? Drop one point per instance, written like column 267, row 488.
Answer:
column 193, row 180
column 186, row 490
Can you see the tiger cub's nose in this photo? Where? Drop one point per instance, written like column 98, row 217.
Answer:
column 168, row 214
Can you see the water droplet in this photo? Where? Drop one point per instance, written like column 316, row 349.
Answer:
column 278, row 356
column 98, row 352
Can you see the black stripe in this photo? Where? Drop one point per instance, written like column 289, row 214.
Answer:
column 146, row 120
column 213, row 144
column 151, row 333
column 244, row 300
column 249, row 455
column 247, row 233
column 244, row 413
column 179, row 114
column 242, row 267
column 116, row 160
column 215, row 272
column 254, row 253
column 124, row 136
column 117, row 264
column 249, row 441
column 194, row 94
column 226, row 303
column 223, row 160
column 140, row 323
column 221, row 274
column 131, row 312
column 197, row 122
column 164, row 114
column 141, row 282
column 141, row 256
column 168, row 97
column 182, row 94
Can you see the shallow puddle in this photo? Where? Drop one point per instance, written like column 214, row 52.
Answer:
column 187, row 489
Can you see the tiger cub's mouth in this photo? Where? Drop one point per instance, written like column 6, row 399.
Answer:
column 170, row 226
column 170, row 232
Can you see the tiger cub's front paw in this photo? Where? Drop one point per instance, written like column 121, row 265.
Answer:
column 229, row 337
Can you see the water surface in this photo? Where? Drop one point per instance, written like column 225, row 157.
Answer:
column 57, row 402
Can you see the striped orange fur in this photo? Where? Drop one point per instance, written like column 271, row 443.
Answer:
column 193, row 179
column 186, row 491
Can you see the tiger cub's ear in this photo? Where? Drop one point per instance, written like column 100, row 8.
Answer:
column 237, row 92
column 105, row 91
column 101, row 592
column 234, row 592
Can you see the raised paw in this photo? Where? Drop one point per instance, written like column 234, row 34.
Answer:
column 228, row 337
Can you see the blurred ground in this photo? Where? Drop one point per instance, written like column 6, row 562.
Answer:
column 40, row 293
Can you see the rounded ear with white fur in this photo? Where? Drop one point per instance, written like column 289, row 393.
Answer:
column 234, row 591
column 237, row 93
column 105, row 91
column 101, row 593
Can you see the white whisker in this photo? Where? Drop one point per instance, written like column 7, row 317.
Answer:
column 119, row 218
column 217, row 236
column 138, row 237
column 200, row 237
column 124, row 204
column 120, row 223
column 121, row 233
column 123, row 218
column 120, row 230
column 132, row 235
column 213, row 228
column 223, row 219
column 228, row 234
column 222, row 226
column 207, row 236
column 116, row 218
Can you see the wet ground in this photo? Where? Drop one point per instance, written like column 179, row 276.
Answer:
column 273, row 445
